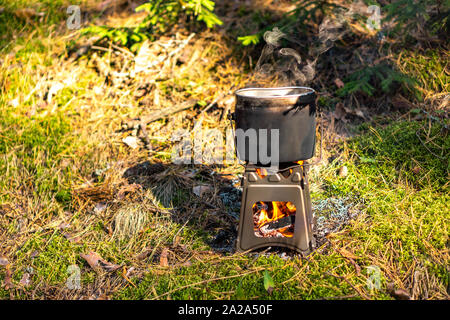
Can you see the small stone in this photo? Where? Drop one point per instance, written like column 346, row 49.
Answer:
column 3, row 261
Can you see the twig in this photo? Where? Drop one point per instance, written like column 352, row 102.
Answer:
column 178, row 232
column 134, row 124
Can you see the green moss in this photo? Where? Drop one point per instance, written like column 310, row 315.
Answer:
column 40, row 144
column 54, row 255
column 197, row 280
column 428, row 67
column 49, row 13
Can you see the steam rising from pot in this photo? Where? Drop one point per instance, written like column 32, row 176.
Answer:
column 285, row 66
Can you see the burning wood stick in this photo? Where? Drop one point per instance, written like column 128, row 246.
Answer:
column 278, row 224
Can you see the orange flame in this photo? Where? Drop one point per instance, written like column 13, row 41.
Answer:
column 261, row 172
column 278, row 210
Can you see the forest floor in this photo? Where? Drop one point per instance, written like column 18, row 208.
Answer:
column 85, row 195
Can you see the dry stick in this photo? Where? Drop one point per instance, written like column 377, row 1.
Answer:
column 140, row 124
column 206, row 281
column 158, row 115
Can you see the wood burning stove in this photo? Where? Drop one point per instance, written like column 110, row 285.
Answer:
column 276, row 205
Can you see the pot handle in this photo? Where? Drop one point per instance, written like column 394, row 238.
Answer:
column 321, row 146
column 232, row 117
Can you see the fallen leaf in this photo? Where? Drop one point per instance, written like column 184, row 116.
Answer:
column 398, row 294
column 401, row 294
column 268, row 282
column 92, row 259
column 97, row 296
column 338, row 82
column 416, row 170
column 189, row 173
column 143, row 60
column 355, row 112
column 359, row 113
column 163, row 261
column 96, row 262
column 199, row 191
column 25, row 281
column 342, row 111
column 144, row 254
column 339, row 112
column 347, row 254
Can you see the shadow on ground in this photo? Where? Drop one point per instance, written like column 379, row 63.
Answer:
column 208, row 205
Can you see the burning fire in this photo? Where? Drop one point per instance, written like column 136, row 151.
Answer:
column 268, row 217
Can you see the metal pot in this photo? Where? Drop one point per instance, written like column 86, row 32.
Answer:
column 291, row 110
